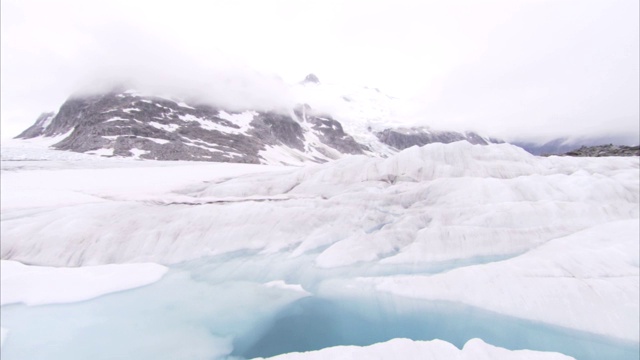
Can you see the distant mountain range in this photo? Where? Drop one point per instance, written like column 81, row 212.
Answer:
column 147, row 127
column 605, row 150
column 564, row 145
column 131, row 124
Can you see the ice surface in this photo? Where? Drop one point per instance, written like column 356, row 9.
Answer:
column 406, row 349
column 436, row 203
column 574, row 280
column 179, row 317
column 3, row 334
column 210, row 309
column 64, row 179
column 38, row 285
column 537, row 242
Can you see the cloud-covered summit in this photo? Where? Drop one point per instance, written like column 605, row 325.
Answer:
column 524, row 70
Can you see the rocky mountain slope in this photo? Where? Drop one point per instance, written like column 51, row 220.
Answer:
column 561, row 146
column 605, row 150
column 131, row 124
column 403, row 138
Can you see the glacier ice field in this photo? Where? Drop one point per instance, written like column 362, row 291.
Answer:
column 455, row 242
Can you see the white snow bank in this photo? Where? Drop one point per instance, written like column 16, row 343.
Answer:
column 138, row 152
column 184, row 105
column 242, row 120
column 39, row 142
column 101, row 152
column 39, row 285
column 167, row 127
column 588, row 281
column 474, row 349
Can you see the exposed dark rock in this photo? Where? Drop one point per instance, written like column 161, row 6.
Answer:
column 563, row 145
column 38, row 128
column 330, row 132
column 311, row 78
column 127, row 124
column 274, row 128
column 406, row 138
column 162, row 129
column 605, row 150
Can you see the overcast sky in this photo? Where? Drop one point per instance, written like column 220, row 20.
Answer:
column 513, row 69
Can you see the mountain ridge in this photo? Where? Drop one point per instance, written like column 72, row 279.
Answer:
column 130, row 124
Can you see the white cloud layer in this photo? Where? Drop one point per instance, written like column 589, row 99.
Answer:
column 527, row 69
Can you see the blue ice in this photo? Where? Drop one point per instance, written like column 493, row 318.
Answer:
column 219, row 308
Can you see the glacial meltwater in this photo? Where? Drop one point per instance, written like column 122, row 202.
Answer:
column 248, row 305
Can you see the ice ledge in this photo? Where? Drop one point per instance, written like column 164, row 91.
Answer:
column 475, row 349
column 40, row 285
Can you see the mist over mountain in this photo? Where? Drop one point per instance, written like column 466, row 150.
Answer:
column 323, row 122
column 564, row 145
column 258, row 119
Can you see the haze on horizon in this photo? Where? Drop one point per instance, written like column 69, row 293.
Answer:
column 526, row 70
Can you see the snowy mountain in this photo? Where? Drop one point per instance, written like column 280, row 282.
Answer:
column 373, row 118
column 130, row 124
column 403, row 138
column 565, row 145
column 605, row 150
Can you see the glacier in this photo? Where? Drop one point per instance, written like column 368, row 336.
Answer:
column 447, row 241
column 39, row 285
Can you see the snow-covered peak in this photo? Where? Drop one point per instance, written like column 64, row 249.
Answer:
column 311, row 78
column 327, row 121
column 356, row 107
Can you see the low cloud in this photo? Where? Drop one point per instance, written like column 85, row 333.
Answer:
column 550, row 71
column 530, row 70
column 130, row 58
